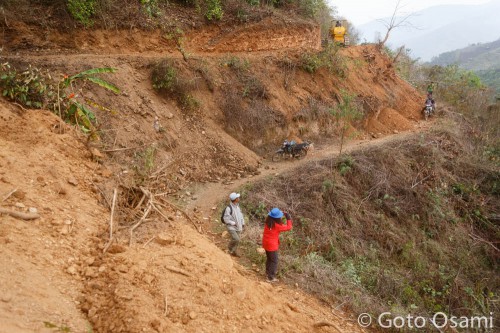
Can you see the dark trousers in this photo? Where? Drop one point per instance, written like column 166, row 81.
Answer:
column 271, row 264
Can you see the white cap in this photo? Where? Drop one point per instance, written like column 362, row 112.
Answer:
column 233, row 196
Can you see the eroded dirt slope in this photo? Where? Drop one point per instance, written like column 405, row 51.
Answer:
column 51, row 173
column 170, row 278
column 53, row 269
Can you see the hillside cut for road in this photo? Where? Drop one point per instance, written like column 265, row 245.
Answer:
column 154, row 272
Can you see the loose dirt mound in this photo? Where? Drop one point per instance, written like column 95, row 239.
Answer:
column 183, row 283
column 51, row 173
column 388, row 121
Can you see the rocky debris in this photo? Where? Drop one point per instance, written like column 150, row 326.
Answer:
column 6, row 297
column 122, row 268
column 148, row 278
column 73, row 270
column 91, row 272
column 116, row 248
column 96, row 154
column 19, row 194
column 164, row 239
column 67, row 227
column 60, row 189
column 192, row 315
column 105, row 172
column 72, row 180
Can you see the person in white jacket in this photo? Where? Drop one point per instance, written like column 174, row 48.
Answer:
column 233, row 218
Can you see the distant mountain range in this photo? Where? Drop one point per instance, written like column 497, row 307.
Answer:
column 483, row 58
column 442, row 28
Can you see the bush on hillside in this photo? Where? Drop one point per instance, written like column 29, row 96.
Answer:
column 34, row 88
column 82, row 11
column 31, row 87
column 164, row 77
column 168, row 79
column 329, row 58
column 214, row 11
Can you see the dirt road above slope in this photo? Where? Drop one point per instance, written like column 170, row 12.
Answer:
column 269, row 34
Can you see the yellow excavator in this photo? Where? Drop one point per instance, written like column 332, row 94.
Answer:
column 339, row 33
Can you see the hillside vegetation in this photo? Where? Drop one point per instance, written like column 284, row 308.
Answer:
column 409, row 226
column 482, row 58
column 127, row 122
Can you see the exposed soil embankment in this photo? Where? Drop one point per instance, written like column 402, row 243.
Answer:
column 54, row 272
column 218, row 117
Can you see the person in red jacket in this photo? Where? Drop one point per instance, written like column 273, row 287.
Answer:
column 271, row 239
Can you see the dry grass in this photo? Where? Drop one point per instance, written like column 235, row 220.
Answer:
column 250, row 120
column 412, row 225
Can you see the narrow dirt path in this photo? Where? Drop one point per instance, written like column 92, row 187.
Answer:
column 209, row 195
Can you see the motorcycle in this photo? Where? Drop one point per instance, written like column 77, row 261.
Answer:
column 428, row 110
column 297, row 151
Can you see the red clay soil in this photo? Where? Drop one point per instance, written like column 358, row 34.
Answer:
column 171, row 278
column 53, row 270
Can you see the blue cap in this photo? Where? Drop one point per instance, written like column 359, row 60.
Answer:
column 276, row 213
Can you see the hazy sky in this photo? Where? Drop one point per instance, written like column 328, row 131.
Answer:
column 363, row 11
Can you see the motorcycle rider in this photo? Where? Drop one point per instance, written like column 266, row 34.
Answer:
column 429, row 102
column 287, row 145
column 430, row 89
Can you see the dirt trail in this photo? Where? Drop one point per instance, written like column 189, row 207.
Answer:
column 269, row 34
column 209, row 195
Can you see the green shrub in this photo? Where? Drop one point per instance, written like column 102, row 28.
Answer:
column 345, row 165
column 36, row 89
column 235, row 63
column 145, row 162
column 31, row 87
column 151, row 7
column 214, row 10
column 312, row 62
column 189, row 103
column 253, row 2
column 329, row 58
column 327, row 185
column 82, row 11
column 312, row 8
column 347, row 112
column 165, row 77
column 74, row 107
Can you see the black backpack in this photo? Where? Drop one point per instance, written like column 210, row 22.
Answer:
column 223, row 211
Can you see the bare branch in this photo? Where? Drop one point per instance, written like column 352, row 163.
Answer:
column 395, row 22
